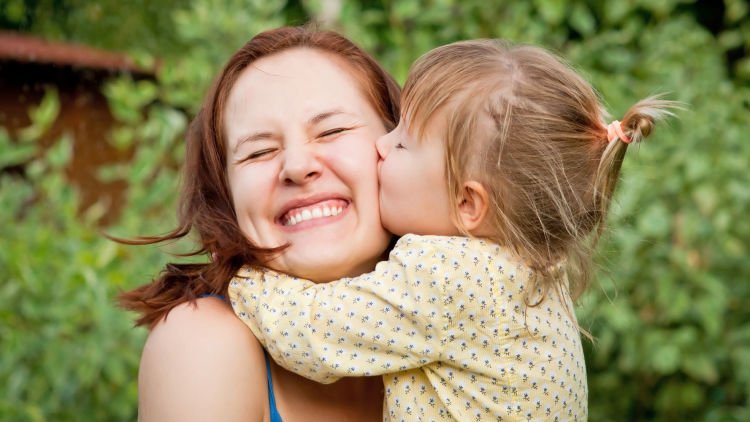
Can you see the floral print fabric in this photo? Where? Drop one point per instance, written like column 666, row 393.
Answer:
column 446, row 322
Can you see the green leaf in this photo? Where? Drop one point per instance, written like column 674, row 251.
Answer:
column 551, row 11
column 58, row 156
column 582, row 20
column 42, row 116
column 666, row 358
column 405, row 9
column 14, row 153
column 15, row 11
column 655, row 221
column 701, row 368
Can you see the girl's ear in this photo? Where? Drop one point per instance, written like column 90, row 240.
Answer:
column 473, row 204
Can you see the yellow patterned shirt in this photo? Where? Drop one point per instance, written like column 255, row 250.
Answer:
column 443, row 320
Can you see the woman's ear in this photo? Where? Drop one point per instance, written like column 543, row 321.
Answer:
column 473, row 204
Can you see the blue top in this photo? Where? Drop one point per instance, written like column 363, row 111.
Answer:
column 217, row 296
column 275, row 416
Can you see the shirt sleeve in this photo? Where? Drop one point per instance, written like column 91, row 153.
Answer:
column 389, row 320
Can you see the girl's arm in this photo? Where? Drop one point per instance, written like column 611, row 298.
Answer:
column 202, row 364
column 389, row 320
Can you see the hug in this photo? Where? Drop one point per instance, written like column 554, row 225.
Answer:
column 377, row 254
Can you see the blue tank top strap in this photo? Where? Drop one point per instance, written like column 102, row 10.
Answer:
column 275, row 416
column 220, row 297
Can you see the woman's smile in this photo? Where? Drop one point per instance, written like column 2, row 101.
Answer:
column 313, row 212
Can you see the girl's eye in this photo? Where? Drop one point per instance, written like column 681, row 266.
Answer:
column 400, row 146
column 333, row 132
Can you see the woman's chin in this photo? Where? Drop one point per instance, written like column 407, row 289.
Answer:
column 324, row 258
column 325, row 264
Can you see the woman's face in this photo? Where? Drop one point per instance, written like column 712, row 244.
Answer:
column 302, row 164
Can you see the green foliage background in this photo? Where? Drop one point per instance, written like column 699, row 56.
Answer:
column 670, row 312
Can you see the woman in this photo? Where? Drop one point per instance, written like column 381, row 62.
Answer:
column 280, row 170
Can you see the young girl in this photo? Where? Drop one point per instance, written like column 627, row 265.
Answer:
column 498, row 179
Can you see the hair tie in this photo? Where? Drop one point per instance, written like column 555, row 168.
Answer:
column 614, row 131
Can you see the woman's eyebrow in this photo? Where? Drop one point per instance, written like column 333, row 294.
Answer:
column 324, row 115
column 257, row 136
column 263, row 135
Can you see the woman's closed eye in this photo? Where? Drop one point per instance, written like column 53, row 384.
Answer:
column 399, row 145
column 333, row 132
column 258, row 154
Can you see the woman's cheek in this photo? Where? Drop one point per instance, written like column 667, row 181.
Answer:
column 357, row 156
column 251, row 186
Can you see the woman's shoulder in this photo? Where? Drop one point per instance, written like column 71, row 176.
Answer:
column 202, row 363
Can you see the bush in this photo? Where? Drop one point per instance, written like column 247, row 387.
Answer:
column 669, row 312
column 67, row 351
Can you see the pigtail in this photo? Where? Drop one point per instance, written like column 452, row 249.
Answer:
column 636, row 126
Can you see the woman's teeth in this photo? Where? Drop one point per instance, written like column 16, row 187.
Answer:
column 310, row 214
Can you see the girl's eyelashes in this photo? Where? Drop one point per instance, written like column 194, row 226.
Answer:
column 400, row 146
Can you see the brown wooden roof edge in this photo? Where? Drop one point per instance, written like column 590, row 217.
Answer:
column 31, row 49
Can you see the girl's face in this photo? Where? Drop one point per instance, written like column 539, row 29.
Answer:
column 413, row 188
column 302, row 164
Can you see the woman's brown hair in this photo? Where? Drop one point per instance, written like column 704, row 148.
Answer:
column 205, row 203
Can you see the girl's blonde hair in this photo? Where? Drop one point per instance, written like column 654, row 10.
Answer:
column 533, row 132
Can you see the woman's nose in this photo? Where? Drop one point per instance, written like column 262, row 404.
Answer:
column 301, row 165
column 383, row 145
